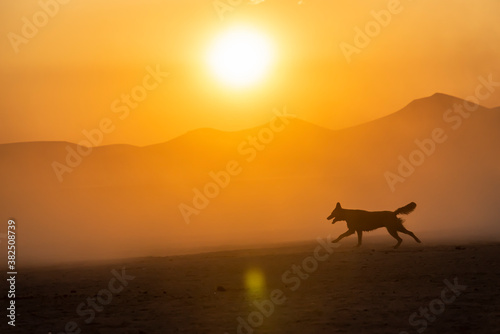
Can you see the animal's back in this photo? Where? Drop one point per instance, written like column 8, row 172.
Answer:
column 370, row 220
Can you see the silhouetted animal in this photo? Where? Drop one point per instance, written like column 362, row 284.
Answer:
column 360, row 220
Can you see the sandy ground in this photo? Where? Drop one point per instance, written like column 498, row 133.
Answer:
column 300, row 288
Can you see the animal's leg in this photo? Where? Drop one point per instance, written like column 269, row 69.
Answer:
column 343, row 235
column 360, row 236
column 410, row 233
column 394, row 233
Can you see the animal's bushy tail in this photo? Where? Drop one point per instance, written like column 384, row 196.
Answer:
column 406, row 209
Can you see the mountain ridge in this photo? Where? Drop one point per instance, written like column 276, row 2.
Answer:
column 442, row 98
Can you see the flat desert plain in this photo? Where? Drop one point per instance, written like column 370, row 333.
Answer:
column 296, row 288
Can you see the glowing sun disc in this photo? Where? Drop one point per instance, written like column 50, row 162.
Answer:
column 240, row 57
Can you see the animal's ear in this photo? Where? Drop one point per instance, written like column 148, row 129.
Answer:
column 338, row 205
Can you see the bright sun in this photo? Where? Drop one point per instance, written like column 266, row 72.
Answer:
column 240, row 57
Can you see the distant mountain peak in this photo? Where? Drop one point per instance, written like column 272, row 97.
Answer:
column 441, row 95
column 438, row 98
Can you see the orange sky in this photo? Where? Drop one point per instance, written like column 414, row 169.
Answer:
column 64, row 79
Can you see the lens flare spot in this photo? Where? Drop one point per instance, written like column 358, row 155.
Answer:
column 255, row 282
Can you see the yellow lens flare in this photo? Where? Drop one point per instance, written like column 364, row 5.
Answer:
column 240, row 57
column 255, row 282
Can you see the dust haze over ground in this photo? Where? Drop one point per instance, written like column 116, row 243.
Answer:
column 210, row 190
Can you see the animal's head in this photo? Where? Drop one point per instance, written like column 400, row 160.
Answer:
column 337, row 214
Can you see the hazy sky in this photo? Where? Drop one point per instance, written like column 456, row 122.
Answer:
column 67, row 73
